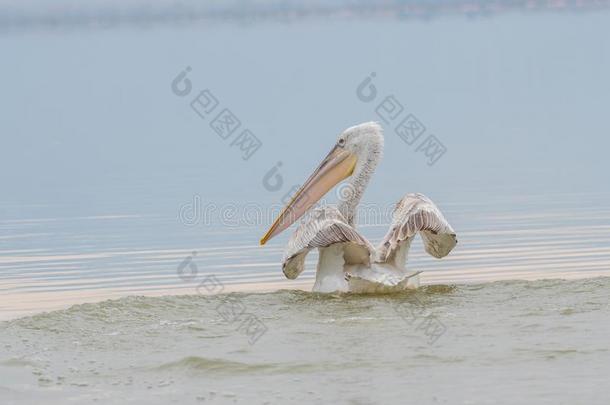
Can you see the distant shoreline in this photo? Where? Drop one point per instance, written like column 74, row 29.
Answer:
column 101, row 15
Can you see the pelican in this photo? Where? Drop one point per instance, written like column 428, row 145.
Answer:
column 348, row 262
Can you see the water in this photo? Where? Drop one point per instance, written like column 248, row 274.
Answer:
column 129, row 229
column 56, row 262
column 463, row 338
column 503, row 342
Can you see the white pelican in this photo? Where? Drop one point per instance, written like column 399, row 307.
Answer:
column 347, row 261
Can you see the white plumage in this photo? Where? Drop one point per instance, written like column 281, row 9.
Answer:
column 348, row 262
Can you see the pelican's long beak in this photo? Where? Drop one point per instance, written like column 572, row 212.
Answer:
column 337, row 166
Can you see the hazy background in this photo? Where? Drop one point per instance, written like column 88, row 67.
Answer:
column 90, row 125
column 99, row 157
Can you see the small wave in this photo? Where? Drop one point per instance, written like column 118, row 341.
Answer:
column 196, row 363
column 229, row 367
column 17, row 363
column 179, row 311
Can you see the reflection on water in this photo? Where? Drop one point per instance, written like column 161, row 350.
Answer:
column 54, row 262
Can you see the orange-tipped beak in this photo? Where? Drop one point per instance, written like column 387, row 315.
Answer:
column 337, row 166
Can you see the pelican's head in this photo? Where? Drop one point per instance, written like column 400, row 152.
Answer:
column 351, row 153
column 361, row 139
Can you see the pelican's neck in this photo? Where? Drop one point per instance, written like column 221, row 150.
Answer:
column 368, row 158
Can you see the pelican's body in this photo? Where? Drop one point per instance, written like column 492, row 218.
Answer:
column 347, row 261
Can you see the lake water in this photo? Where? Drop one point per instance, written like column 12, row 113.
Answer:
column 502, row 342
column 130, row 269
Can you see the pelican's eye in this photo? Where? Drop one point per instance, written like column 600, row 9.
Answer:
column 341, row 141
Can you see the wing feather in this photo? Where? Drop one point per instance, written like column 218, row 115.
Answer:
column 324, row 227
column 416, row 213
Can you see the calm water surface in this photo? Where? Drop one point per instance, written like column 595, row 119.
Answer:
column 56, row 262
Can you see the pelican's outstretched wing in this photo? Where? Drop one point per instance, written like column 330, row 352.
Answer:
column 416, row 213
column 324, row 227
